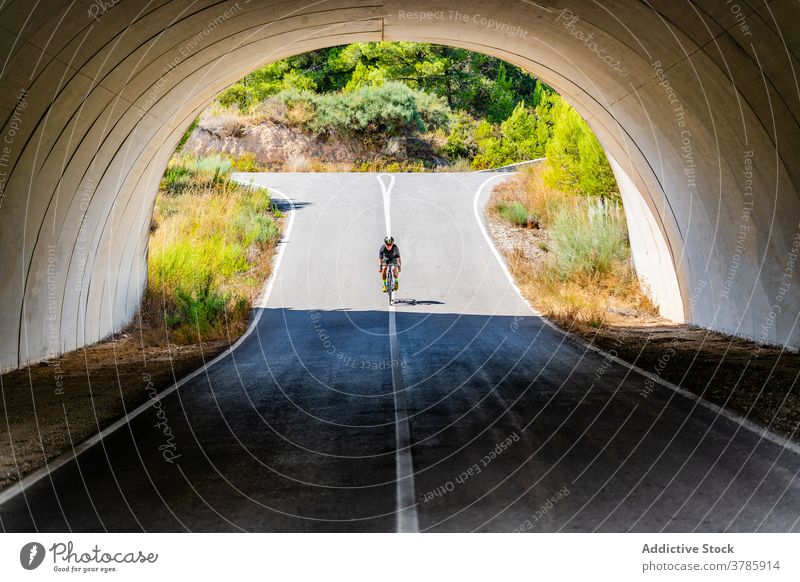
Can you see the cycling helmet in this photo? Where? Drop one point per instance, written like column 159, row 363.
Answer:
column 389, row 240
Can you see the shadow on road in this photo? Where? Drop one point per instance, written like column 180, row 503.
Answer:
column 415, row 302
column 295, row 431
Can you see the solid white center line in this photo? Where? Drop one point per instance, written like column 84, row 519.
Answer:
column 407, row 520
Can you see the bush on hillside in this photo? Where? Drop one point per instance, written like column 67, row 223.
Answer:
column 389, row 110
column 460, row 143
column 517, row 140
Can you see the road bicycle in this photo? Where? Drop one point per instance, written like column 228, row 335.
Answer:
column 390, row 292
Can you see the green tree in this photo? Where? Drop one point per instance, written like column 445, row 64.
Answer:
column 480, row 85
column 502, row 100
column 575, row 159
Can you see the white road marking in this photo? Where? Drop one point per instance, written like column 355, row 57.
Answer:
column 20, row 486
column 407, row 519
column 760, row 431
column 386, row 191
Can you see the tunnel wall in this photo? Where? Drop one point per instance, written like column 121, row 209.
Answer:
column 697, row 104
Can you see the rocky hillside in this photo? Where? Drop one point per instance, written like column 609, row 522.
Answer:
column 279, row 146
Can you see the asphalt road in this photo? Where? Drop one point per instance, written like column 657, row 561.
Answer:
column 472, row 415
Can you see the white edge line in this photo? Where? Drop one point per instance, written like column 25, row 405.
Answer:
column 761, row 431
column 16, row 488
column 508, row 167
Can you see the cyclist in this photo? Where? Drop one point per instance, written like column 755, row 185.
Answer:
column 389, row 253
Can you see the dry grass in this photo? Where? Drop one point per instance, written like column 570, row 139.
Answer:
column 586, row 274
column 528, row 188
column 583, row 300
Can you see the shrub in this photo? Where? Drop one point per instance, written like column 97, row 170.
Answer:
column 201, row 306
column 540, row 200
column 460, row 142
column 433, row 111
column 513, row 212
column 591, row 238
column 245, row 162
column 391, row 109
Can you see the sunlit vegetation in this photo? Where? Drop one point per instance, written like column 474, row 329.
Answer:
column 210, row 251
column 586, row 268
column 475, row 111
column 450, row 109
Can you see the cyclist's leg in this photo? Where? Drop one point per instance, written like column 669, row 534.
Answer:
column 383, row 275
column 396, row 273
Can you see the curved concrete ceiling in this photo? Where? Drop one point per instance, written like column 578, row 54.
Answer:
column 697, row 104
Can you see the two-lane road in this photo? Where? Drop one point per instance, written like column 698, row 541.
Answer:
column 458, row 411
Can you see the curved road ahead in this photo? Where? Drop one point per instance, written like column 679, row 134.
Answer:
column 457, row 411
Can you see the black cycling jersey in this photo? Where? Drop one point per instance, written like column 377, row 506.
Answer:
column 389, row 256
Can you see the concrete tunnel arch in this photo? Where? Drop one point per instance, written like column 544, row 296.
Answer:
column 696, row 104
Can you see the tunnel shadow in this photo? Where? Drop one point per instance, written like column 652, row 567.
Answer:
column 303, row 413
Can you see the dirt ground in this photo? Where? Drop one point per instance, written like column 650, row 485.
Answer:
column 49, row 407
column 757, row 382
